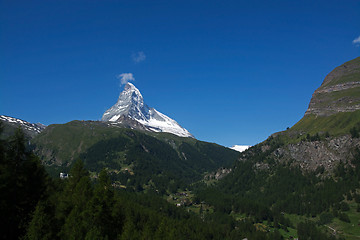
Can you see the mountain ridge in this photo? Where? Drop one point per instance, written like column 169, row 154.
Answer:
column 12, row 123
column 339, row 92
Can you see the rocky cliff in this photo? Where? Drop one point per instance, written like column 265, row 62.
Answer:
column 326, row 153
column 322, row 137
column 340, row 91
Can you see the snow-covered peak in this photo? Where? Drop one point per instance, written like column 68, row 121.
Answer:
column 240, row 148
column 131, row 87
column 131, row 104
column 131, row 93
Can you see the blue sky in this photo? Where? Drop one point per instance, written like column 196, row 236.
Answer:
column 231, row 72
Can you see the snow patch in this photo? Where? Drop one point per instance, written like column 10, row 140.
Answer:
column 240, row 148
column 38, row 127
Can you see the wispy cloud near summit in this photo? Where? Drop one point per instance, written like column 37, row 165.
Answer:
column 356, row 41
column 138, row 57
column 125, row 78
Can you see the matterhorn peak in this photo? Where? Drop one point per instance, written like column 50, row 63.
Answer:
column 130, row 88
column 131, row 105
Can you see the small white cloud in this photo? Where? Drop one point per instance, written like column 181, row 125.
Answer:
column 138, row 57
column 125, row 78
column 356, row 40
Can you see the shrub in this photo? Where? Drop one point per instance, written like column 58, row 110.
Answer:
column 326, row 218
column 344, row 217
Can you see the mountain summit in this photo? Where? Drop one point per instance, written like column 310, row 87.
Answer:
column 340, row 91
column 130, row 107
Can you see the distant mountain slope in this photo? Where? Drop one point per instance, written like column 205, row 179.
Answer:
column 131, row 106
column 140, row 157
column 10, row 124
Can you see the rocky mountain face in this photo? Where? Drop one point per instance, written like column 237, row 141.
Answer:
column 11, row 124
column 340, row 91
column 325, row 153
column 131, row 108
column 322, row 137
column 218, row 174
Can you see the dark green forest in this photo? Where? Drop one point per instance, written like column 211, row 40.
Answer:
column 155, row 163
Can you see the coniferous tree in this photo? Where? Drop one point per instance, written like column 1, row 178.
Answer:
column 101, row 206
column 22, row 184
column 43, row 224
column 75, row 209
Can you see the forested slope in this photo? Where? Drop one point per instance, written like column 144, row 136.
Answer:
column 133, row 158
column 35, row 206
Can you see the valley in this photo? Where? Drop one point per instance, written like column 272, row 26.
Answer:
column 139, row 170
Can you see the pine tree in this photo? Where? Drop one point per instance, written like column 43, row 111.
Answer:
column 22, row 184
column 43, row 223
column 101, row 207
column 130, row 232
column 74, row 209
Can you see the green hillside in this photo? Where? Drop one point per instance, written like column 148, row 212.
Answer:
column 281, row 196
column 347, row 72
column 334, row 106
column 136, row 159
column 339, row 92
column 274, row 186
column 336, row 124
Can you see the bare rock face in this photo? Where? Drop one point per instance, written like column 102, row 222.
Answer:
column 340, row 91
column 326, row 153
column 309, row 155
column 218, row 174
